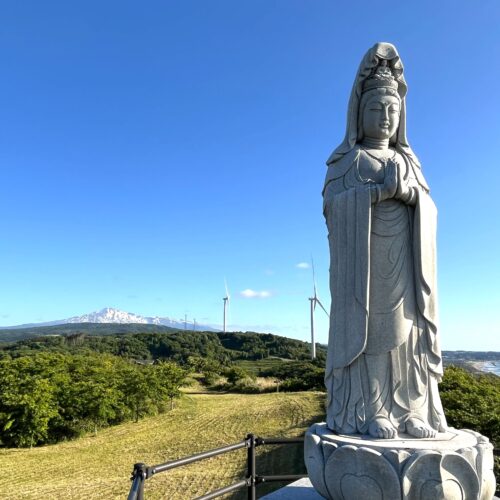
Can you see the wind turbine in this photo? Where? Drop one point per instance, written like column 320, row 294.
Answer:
column 314, row 300
column 226, row 304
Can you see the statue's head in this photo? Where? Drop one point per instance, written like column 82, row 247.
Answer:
column 380, row 105
column 379, row 114
column 377, row 106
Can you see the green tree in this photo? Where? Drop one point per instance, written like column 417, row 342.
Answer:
column 235, row 373
column 92, row 405
column 473, row 402
column 138, row 390
column 27, row 404
column 169, row 378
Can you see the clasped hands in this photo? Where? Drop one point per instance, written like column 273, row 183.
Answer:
column 394, row 186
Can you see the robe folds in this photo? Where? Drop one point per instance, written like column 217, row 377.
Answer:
column 383, row 358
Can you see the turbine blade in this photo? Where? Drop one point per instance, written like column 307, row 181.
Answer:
column 322, row 307
column 227, row 291
column 314, row 276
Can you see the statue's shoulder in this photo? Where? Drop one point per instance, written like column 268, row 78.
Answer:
column 399, row 158
column 340, row 167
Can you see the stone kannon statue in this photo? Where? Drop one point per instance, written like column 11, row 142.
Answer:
column 384, row 360
column 385, row 436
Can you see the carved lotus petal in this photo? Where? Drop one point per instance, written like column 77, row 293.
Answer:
column 429, row 475
column 328, row 449
column 484, row 467
column 397, row 458
column 315, row 462
column 360, row 473
column 470, row 454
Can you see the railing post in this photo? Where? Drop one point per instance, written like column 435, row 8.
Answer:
column 251, row 468
column 139, row 476
column 140, row 496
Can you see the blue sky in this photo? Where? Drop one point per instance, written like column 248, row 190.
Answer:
column 148, row 150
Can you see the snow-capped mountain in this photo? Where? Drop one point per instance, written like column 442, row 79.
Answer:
column 111, row 315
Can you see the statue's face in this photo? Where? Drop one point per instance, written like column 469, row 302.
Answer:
column 381, row 117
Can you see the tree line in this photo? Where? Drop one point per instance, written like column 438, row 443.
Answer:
column 47, row 397
column 177, row 346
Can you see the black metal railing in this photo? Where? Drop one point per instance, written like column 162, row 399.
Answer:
column 142, row 472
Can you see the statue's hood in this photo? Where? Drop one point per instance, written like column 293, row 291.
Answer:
column 370, row 61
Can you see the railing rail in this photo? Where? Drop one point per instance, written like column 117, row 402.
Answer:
column 142, row 472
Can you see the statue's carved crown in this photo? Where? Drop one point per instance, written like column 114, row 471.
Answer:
column 381, row 77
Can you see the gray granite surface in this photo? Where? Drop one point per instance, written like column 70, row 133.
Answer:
column 385, row 435
column 299, row 490
column 384, row 359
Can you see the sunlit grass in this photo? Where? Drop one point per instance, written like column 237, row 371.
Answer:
column 99, row 466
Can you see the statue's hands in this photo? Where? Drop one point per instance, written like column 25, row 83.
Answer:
column 390, row 185
column 403, row 191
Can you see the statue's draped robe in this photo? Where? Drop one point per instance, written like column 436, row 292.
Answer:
column 383, row 359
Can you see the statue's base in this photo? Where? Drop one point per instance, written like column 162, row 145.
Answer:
column 457, row 464
column 301, row 490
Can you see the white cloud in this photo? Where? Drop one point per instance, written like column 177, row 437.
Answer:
column 303, row 265
column 251, row 294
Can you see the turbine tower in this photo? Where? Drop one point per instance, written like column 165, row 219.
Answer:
column 314, row 300
column 226, row 304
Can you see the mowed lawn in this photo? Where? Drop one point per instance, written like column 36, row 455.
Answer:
column 99, row 466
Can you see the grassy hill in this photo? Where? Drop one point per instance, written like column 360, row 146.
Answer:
column 145, row 343
column 99, row 466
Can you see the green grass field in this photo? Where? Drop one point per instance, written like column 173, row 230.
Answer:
column 255, row 367
column 98, row 467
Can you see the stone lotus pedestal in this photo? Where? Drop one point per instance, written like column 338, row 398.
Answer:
column 455, row 465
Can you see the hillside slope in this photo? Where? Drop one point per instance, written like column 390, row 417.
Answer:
column 100, row 466
column 176, row 345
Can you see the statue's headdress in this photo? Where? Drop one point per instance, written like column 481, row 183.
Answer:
column 381, row 77
column 380, row 67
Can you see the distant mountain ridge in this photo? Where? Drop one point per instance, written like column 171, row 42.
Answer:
column 110, row 315
column 88, row 329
